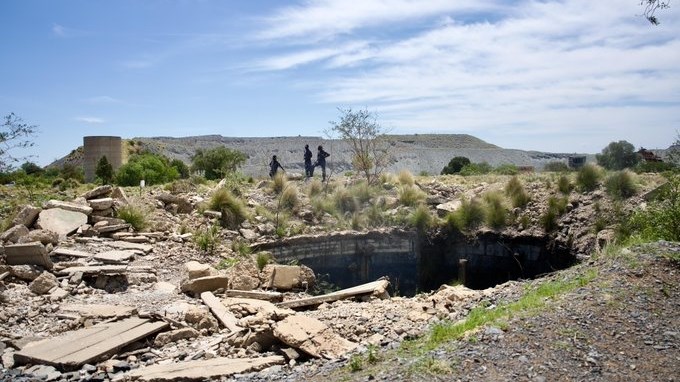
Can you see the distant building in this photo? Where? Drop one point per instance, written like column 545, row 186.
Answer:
column 96, row 147
column 577, row 161
column 648, row 156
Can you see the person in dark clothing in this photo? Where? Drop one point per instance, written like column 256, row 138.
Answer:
column 321, row 156
column 309, row 170
column 274, row 166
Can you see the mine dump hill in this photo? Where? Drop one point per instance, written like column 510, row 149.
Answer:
column 418, row 153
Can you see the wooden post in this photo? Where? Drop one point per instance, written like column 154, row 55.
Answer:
column 462, row 271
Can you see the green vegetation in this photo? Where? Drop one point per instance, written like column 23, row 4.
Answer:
column 661, row 219
column 315, row 188
column 556, row 207
column 421, row 218
column 618, row 156
column 621, row 185
column 152, row 168
column 289, row 198
column 232, row 208
column 476, row 169
column 556, row 166
column 564, row 185
column 506, row 169
column 406, row 178
column 14, row 134
column 495, row 213
column 104, row 170
column 135, row 216
column 516, row 192
column 410, row 196
column 181, row 167
column 217, row 162
column 455, row 165
column 262, row 259
column 207, row 239
column 468, row 216
column 279, row 182
column 588, row 177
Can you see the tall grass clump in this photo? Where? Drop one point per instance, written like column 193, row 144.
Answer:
column 556, row 166
column 421, row 218
column 134, row 216
column 621, row 184
column 279, row 182
column 588, row 177
column 516, row 192
column 556, row 207
column 410, row 196
column 345, row 201
column 406, row 178
column 468, row 216
column 363, row 192
column 207, row 239
column 232, row 208
column 564, row 185
column 315, row 187
column 495, row 213
column 262, row 259
column 661, row 219
column 289, row 198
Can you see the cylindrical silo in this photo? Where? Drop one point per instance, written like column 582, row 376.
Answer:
column 96, row 147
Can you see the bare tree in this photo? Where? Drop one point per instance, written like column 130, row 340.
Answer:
column 367, row 140
column 14, row 134
column 650, row 8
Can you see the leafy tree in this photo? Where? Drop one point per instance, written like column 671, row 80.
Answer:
column 152, row 168
column 71, row 171
column 476, row 169
column 14, row 134
column 617, row 156
column 104, row 170
column 31, row 168
column 367, row 141
column 181, row 167
column 455, row 165
column 216, row 163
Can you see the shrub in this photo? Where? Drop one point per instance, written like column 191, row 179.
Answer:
column 152, row 168
column 588, row 177
column 495, row 214
column 233, row 209
column 181, row 167
column 363, row 192
column 216, row 163
column 241, row 247
column 133, row 216
column 207, row 239
column 455, row 165
column 564, row 185
column 104, row 170
column 410, row 196
column 315, row 188
column 645, row 166
column 620, row 185
column 468, row 216
column 262, row 259
column 421, row 218
column 476, row 169
column 556, row 166
column 358, row 221
column 506, row 169
column 661, row 219
column 375, row 215
column 516, row 192
column 180, row 186
column 406, row 178
column 617, row 156
column 345, row 201
column 556, row 207
column 289, row 198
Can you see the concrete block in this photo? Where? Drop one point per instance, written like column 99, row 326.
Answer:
column 28, row 253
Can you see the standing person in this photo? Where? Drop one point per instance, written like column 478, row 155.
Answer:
column 321, row 161
column 309, row 170
column 274, row 166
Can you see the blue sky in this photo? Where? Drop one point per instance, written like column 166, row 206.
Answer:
column 560, row 76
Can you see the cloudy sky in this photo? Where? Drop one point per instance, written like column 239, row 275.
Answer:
column 560, row 76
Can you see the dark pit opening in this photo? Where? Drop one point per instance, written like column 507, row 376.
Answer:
column 418, row 263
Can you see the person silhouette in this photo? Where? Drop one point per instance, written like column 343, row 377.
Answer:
column 309, row 170
column 274, row 166
column 321, row 156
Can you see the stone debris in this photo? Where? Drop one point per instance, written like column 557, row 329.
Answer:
column 33, row 253
column 204, row 369
column 288, row 277
column 205, row 284
column 61, row 221
column 68, row 206
column 312, row 336
column 44, row 283
column 27, row 216
column 13, row 234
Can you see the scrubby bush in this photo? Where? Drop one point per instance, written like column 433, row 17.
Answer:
column 506, row 169
column 232, row 208
column 644, row 166
column 455, row 165
column 104, row 170
column 588, row 177
column 661, row 219
column 180, row 186
column 315, row 188
column 217, row 162
column 468, row 216
column 207, row 239
column 345, row 201
column 556, row 166
column 134, row 216
column 406, row 178
column 262, row 259
column 279, row 182
column 620, row 185
column 421, row 218
column 363, row 192
column 152, row 168
column 617, row 156
column 476, row 169
column 289, row 198
column 181, row 167
column 410, row 196
column 564, row 185
column 516, row 192
column 495, row 213
column 556, row 207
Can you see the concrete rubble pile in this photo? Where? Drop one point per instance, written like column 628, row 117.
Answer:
column 84, row 297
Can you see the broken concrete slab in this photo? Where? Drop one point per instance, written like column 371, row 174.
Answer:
column 27, row 253
column 220, row 311
column 42, row 235
column 59, row 251
column 13, row 234
column 312, row 336
column 98, row 192
column 146, row 248
column 194, row 270
column 205, row 284
column 27, row 216
column 105, row 269
column 375, row 288
column 68, row 206
column 287, row 277
column 257, row 295
column 115, row 257
column 43, row 283
column 175, row 335
column 202, row 370
column 99, row 310
column 61, row 221
column 74, row 349
column 113, row 228
column 101, row 204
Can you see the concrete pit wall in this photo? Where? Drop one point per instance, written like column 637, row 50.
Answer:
column 96, row 147
column 414, row 264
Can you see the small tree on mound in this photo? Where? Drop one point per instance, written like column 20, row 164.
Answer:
column 455, row 165
column 617, row 156
column 104, row 170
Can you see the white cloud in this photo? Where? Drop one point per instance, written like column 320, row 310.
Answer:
column 90, row 120
column 58, row 30
column 103, row 99
column 539, row 68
